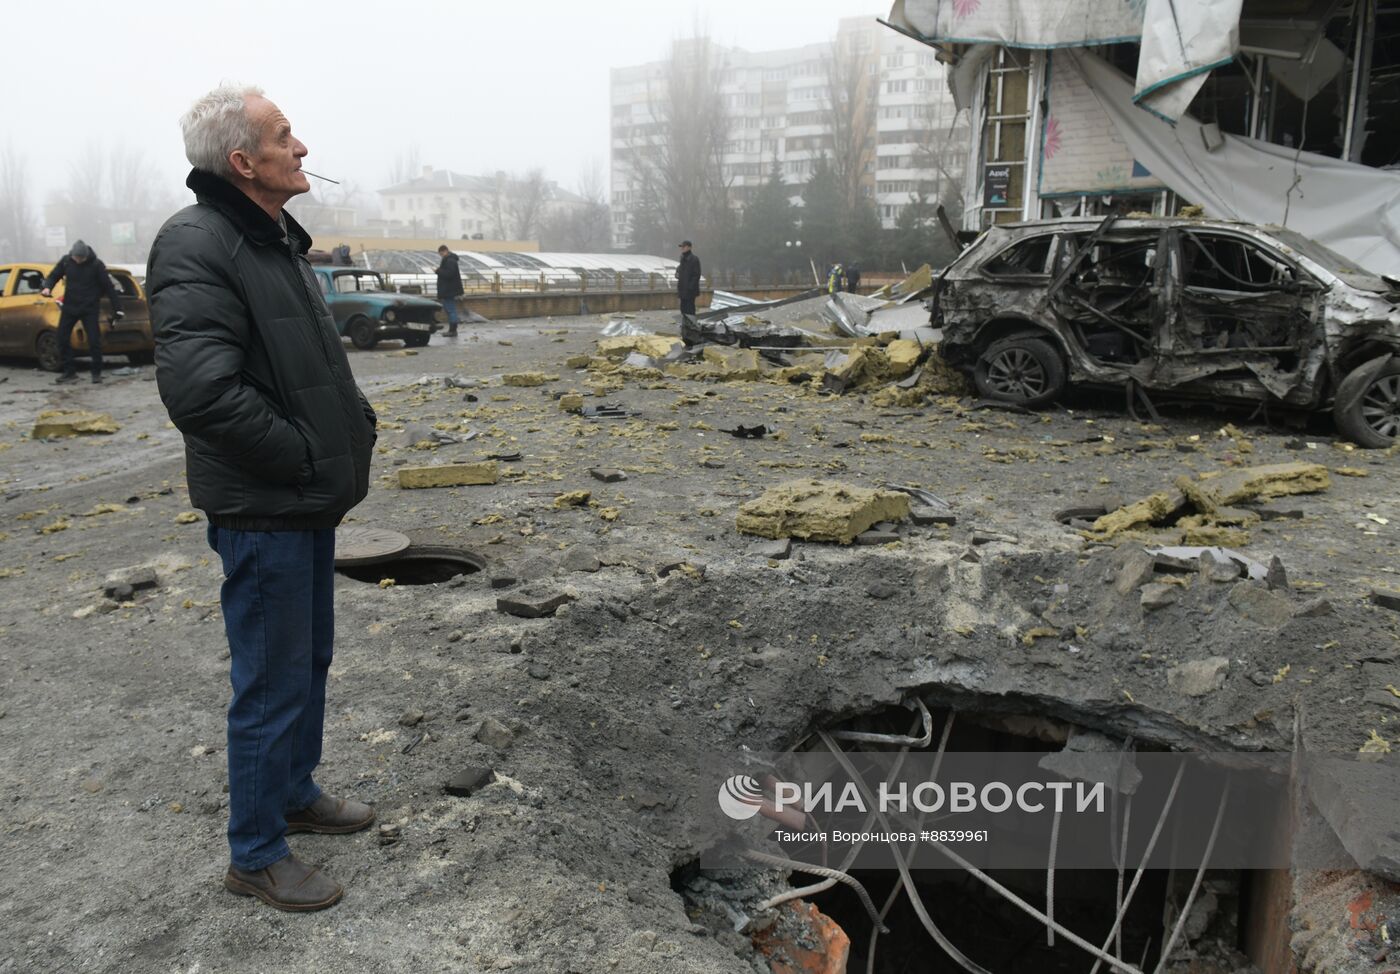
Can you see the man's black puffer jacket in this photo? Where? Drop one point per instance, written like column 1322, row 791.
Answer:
column 251, row 368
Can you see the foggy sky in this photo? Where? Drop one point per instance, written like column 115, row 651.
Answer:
column 478, row 86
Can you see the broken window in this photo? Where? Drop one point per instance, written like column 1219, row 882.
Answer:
column 30, row 282
column 1110, row 298
column 1231, row 264
column 1238, row 295
column 1026, row 257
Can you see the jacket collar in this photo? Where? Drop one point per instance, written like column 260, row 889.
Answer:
column 250, row 218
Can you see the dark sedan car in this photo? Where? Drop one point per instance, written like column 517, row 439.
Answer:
column 1173, row 305
column 366, row 311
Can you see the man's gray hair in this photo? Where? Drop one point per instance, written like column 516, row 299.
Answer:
column 216, row 125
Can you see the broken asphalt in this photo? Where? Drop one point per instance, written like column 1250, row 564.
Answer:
column 688, row 635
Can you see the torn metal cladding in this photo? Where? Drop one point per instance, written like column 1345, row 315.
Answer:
column 1203, row 308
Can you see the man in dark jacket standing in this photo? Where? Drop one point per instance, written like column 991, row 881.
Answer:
column 277, row 449
column 688, row 279
column 88, row 283
column 449, row 287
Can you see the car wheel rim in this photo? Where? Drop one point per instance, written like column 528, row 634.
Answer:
column 1016, row 374
column 1380, row 406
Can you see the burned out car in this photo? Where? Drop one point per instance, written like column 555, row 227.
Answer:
column 1192, row 307
column 367, row 311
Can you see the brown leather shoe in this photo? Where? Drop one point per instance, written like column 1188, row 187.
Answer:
column 287, row 884
column 331, row 816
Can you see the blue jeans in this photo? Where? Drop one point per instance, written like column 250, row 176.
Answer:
column 279, row 616
column 450, row 306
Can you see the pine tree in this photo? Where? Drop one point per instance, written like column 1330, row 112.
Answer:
column 769, row 227
column 823, row 216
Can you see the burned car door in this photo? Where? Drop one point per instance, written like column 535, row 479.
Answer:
column 1110, row 297
column 1239, row 308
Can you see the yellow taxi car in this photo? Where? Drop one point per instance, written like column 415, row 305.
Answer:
column 29, row 321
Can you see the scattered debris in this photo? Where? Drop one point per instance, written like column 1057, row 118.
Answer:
column 778, row 550
column 1199, row 677
column 573, row 498
column 818, row 510
column 1201, row 509
column 122, row 584
column 528, row 378
column 449, row 475
column 468, row 780
column 1255, row 602
column 54, row 423
column 1386, row 600
column 533, row 605
column 750, row 432
column 607, row 475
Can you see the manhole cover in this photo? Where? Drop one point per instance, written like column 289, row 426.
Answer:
column 418, row 565
column 359, row 545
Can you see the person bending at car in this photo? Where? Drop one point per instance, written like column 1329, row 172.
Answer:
column 87, row 283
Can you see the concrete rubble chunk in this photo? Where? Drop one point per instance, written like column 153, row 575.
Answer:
column 468, row 780
column 805, row 941
column 449, row 475
column 527, row 378
column 1159, row 595
column 881, row 591
column 131, row 580
column 1092, row 757
column 1276, row 578
column 571, row 402
column 1211, row 495
column 495, row 734
column 1359, row 799
column 1263, row 483
column 607, row 475
column 72, row 422
column 817, row 510
column 1199, row 676
column 1136, row 569
column 1385, row 599
column 532, row 605
column 580, row 560
column 1213, row 569
column 652, row 346
column 778, row 550
column 1313, row 608
column 1255, row 602
column 572, row 498
column 928, row 516
column 876, row 536
column 737, row 364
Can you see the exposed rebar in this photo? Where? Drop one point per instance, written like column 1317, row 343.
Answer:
column 1142, row 868
column 865, row 737
column 815, row 870
column 1196, row 883
column 917, row 902
column 913, row 846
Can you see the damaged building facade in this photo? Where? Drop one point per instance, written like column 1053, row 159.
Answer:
column 1266, row 113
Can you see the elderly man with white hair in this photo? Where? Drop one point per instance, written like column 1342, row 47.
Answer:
column 278, row 440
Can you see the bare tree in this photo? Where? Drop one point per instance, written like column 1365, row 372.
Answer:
column 525, row 199
column 17, row 229
column 678, row 158
column 581, row 228
column 851, row 105
column 87, row 178
column 406, row 165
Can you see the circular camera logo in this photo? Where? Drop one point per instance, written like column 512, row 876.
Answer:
column 740, row 797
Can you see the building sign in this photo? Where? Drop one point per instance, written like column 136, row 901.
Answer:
column 55, row 236
column 124, row 233
column 996, row 186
